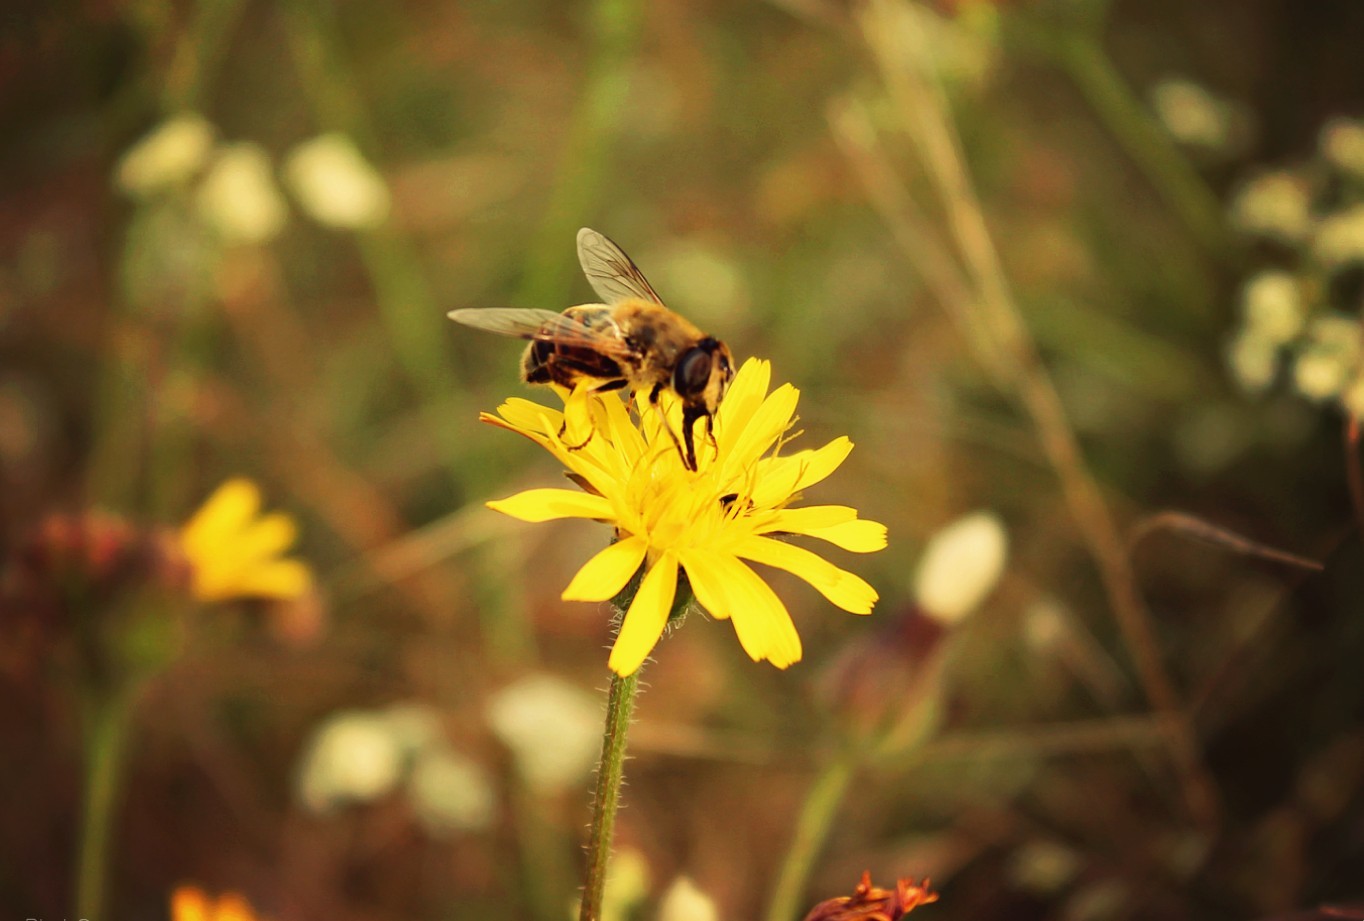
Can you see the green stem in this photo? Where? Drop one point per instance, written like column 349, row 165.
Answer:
column 106, row 736
column 812, row 830
column 1144, row 141
column 620, row 703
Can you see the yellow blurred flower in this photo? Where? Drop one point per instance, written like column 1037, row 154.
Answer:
column 190, row 903
column 236, row 552
column 708, row 523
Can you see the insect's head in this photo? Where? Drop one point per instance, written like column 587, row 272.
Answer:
column 703, row 373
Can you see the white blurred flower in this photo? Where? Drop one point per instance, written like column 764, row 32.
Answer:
column 238, row 197
column 1353, row 398
column 685, row 902
column 1192, row 115
column 170, row 154
column 450, row 792
column 353, row 757
column 413, row 726
column 1340, row 237
column 1342, row 143
column 960, row 566
column 1329, row 360
column 1253, row 360
column 552, row 728
column 1273, row 306
column 1273, row 205
column 1045, row 625
column 1043, row 867
column 335, row 184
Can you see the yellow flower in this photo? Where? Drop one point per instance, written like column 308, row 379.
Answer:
column 236, row 552
column 190, row 903
column 708, row 523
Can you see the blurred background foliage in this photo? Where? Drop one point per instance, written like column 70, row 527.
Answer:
column 1135, row 723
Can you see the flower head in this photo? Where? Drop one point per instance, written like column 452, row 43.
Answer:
column 236, row 552
column 872, row 903
column 190, row 903
column 708, row 523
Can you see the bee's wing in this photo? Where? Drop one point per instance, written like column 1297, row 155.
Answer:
column 610, row 272
column 543, row 326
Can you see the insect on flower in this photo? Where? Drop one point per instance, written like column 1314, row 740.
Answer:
column 631, row 340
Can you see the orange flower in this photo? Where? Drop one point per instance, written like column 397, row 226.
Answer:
column 872, row 903
column 190, row 903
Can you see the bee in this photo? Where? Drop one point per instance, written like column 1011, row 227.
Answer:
column 632, row 340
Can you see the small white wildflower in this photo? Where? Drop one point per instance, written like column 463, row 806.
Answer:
column 1273, row 306
column 1274, row 205
column 1045, row 625
column 352, row 758
column 1253, row 360
column 552, row 728
column 335, row 184
column 414, row 726
column 1191, row 114
column 960, row 566
column 1340, row 238
column 1329, row 360
column 238, row 197
column 684, row 901
column 1342, row 143
column 1352, row 399
column 169, row 155
column 450, row 793
column 1043, row 867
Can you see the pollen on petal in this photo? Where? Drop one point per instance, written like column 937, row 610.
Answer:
column 603, row 576
column 536, row 505
column 648, row 614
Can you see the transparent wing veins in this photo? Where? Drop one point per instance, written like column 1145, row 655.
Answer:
column 542, row 326
column 610, row 272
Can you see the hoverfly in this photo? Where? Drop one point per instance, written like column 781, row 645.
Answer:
column 631, row 340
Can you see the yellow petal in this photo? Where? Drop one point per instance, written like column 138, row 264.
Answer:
column 530, row 416
column 768, row 424
column 227, row 510
column 781, row 477
column 189, row 903
column 275, row 579
column 603, row 576
column 538, row 505
column 268, row 536
column 648, row 614
column 849, row 592
column 233, row 907
column 746, row 393
column 578, row 428
column 837, row 524
column 730, row 590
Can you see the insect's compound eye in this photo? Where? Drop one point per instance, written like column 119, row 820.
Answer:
column 692, row 373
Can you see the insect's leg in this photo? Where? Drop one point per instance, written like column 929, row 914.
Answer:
column 576, row 429
column 690, row 414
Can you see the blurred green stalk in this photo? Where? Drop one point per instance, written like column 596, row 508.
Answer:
column 107, row 716
column 816, row 820
column 1077, row 48
column 614, row 28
